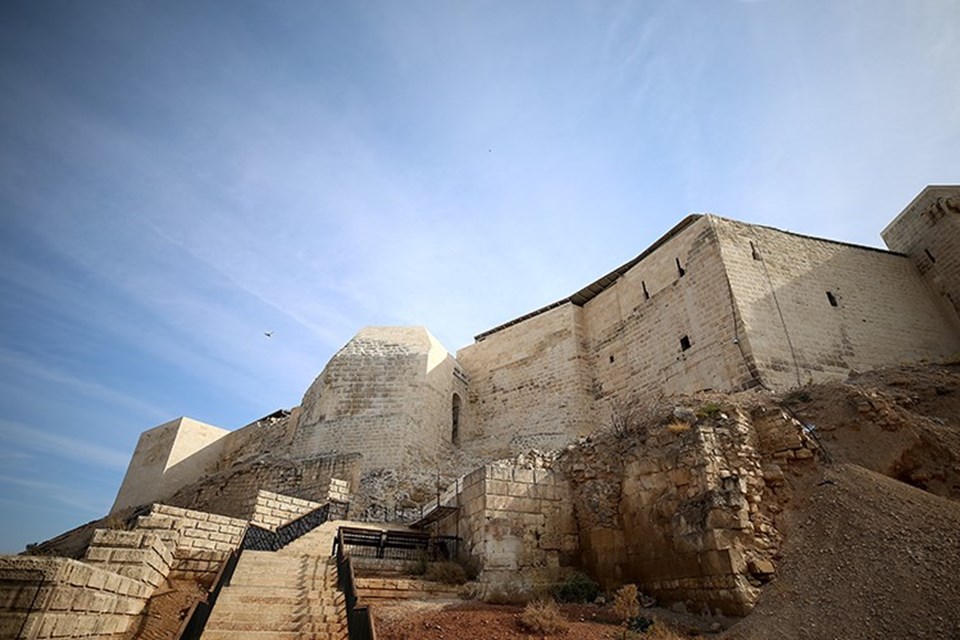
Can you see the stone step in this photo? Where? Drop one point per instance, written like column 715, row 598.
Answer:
column 271, row 635
column 287, row 596
column 245, row 607
column 275, row 618
column 293, row 627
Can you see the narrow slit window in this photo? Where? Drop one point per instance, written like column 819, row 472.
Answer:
column 643, row 285
column 684, row 343
column 611, row 359
column 680, row 268
column 753, row 251
column 930, row 255
column 832, row 299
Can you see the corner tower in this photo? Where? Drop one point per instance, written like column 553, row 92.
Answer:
column 393, row 394
column 928, row 231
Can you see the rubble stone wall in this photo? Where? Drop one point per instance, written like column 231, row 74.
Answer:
column 685, row 509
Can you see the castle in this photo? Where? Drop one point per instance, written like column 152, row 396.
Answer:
column 685, row 508
column 714, row 304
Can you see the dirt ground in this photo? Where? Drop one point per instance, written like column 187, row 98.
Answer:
column 480, row 621
column 871, row 537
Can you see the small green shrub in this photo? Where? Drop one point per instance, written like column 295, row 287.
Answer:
column 639, row 624
column 708, row 410
column 543, row 617
column 579, row 587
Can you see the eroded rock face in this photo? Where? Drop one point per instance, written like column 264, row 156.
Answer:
column 685, row 509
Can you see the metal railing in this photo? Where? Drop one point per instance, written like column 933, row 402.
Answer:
column 260, row 539
column 199, row 613
column 256, row 539
column 359, row 619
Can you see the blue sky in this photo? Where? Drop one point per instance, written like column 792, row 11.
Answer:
column 178, row 177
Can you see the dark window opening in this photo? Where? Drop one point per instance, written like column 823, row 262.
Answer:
column 611, row 359
column 754, row 252
column 646, row 296
column 930, row 255
column 680, row 269
column 832, row 298
column 684, row 343
column 455, row 435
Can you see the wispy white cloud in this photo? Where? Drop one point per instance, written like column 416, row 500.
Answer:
column 77, row 500
column 87, row 388
column 82, row 451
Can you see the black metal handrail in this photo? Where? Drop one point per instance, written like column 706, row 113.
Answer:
column 199, row 613
column 256, row 539
column 359, row 618
column 260, row 539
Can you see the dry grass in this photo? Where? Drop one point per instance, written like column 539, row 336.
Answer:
column 543, row 617
column 660, row 631
column 445, row 572
column 626, row 605
column 678, row 426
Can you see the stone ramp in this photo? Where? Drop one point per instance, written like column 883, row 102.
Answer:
column 274, row 596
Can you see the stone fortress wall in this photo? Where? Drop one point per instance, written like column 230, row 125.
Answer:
column 713, row 305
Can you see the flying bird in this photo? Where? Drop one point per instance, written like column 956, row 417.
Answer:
column 269, row 334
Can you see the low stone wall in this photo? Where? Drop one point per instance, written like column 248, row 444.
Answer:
column 272, row 510
column 63, row 598
column 200, row 541
column 134, row 554
column 518, row 520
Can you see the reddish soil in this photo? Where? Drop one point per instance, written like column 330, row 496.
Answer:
column 480, row 621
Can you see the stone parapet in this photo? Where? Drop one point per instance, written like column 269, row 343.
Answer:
column 63, row 598
column 139, row 555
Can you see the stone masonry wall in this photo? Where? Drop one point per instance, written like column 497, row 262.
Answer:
column 528, row 385
column 232, row 492
column 928, row 230
column 685, row 508
column 200, row 541
column 387, row 393
column 638, row 325
column 168, row 457
column 815, row 309
column 63, row 598
column 139, row 555
column 518, row 521
column 272, row 510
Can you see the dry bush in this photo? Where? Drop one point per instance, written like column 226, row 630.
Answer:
column 678, row 426
column 626, row 603
column 445, row 572
column 505, row 594
column 660, row 631
column 629, row 416
column 543, row 617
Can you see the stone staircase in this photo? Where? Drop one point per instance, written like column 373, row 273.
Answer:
column 285, row 595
